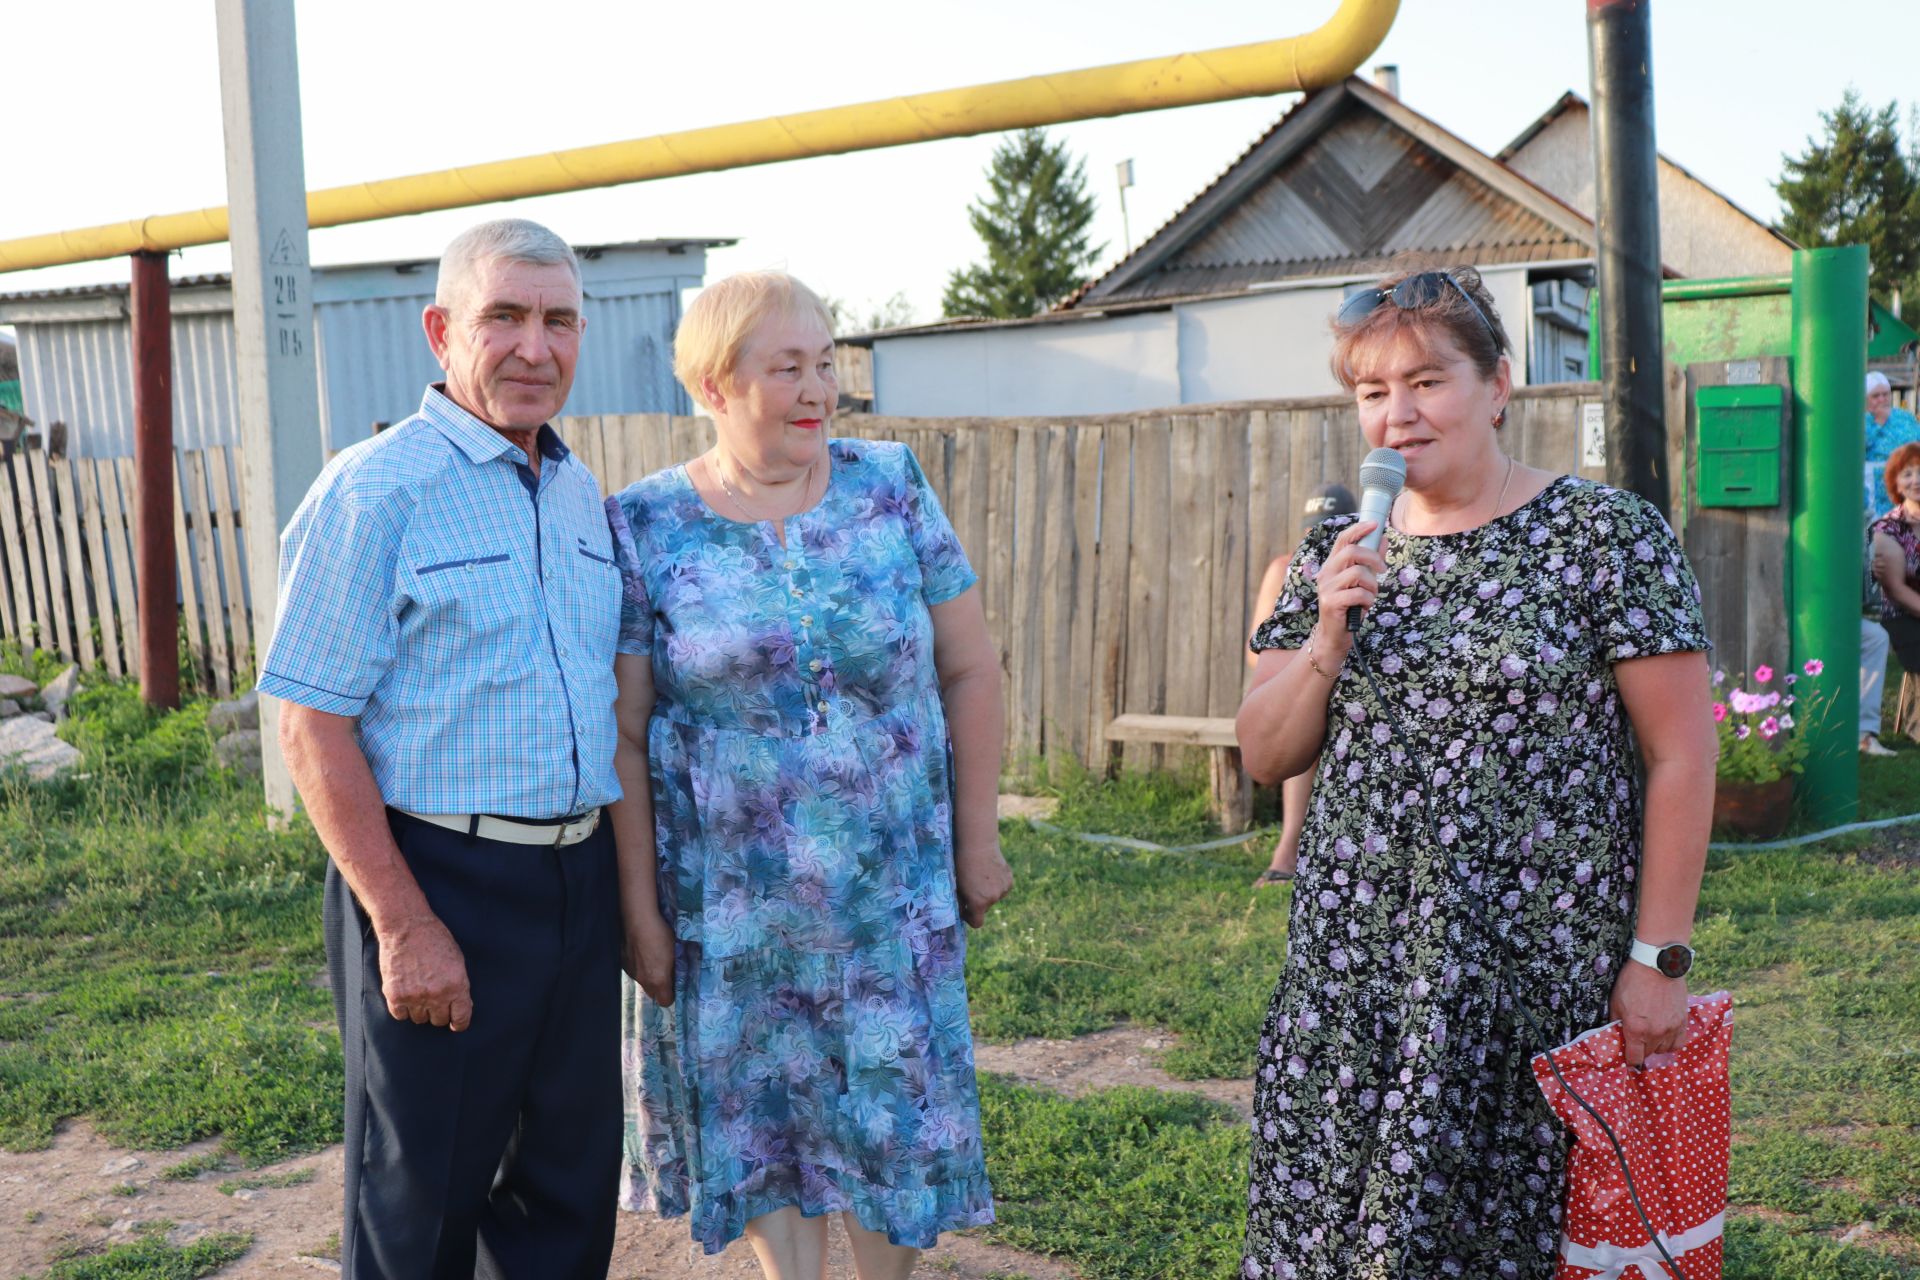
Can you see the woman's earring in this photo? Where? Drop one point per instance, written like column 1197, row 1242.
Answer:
column 1500, row 419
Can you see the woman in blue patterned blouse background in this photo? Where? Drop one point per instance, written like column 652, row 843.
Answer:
column 810, row 733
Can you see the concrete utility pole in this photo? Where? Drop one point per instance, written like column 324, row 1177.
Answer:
column 272, row 310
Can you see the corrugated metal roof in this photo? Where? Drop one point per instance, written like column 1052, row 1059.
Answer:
column 373, row 360
column 224, row 279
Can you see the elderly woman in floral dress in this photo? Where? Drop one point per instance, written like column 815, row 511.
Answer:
column 810, row 725
column 1479, row 834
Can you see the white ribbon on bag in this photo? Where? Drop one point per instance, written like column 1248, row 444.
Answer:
column 1612, row 1260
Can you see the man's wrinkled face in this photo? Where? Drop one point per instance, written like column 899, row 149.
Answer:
column 509, row 343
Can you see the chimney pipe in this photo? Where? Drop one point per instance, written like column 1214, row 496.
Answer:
column 1386, row 75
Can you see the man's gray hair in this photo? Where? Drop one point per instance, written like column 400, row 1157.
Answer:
column 508, row 239
column 1877, row 381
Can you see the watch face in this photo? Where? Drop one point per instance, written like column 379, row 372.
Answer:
column 1675, row 960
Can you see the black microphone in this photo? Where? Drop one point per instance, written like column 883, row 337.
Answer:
column 1382, row 475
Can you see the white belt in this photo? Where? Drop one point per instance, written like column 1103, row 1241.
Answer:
column 557, row 834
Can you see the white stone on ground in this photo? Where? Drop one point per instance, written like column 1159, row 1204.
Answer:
column 12, row 686
column 28, row 742
column 242, row 713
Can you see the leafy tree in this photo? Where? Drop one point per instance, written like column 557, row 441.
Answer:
column 1034, row 221
column 1857, row 186
column 848, row 318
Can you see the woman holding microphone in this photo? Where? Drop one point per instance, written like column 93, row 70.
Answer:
column 1476, row 817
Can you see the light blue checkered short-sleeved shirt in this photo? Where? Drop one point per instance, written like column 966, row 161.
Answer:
column 463, row 610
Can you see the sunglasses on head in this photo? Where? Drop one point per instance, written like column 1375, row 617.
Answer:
column 1416, row 291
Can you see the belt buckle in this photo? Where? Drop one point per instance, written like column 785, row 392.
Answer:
column 592, row 823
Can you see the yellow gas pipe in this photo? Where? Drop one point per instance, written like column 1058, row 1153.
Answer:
column 1321, row 57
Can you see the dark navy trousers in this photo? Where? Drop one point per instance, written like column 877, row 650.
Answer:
column 492, row 1152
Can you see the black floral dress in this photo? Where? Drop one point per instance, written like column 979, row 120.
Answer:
column 1397, row 1129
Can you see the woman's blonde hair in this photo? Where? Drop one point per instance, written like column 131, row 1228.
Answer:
column 725, row 315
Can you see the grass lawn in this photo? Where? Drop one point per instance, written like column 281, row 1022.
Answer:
column 159, row 948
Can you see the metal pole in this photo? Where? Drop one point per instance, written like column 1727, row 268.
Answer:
column 154, row 565
column 1825, row 540
column 279, row 386
column 1627, row 219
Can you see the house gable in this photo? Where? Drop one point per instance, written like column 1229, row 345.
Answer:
column 1702, row 233
column 1341, row 185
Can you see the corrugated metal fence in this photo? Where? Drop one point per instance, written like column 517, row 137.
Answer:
column 1118, row 556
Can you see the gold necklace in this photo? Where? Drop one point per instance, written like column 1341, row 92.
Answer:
column 720, row 472
column 1498, row 502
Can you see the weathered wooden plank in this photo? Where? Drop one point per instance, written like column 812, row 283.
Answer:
column 1025, row 681
column 998, row 571
column 214, row 609
column 1768, row 629
column 226, row 521
column 1269, row 523
column 86, row 478
column 967, row 506
column 76, row 577
column 1110, row 590
column 1189, row 594
column 190, row 609
column 52, row 554
column 1228, row 610
column 1716, row 546
column 19, row 587
column 1078, row 705
column 1059, row 729
column 689, row 438
column 1187, row 731
column 1147, row 551
column 586, row 436
column 119, row 515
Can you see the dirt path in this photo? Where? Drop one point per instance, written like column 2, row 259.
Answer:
column 85, row 1193
column 69, row 1197
column 1102, row 1060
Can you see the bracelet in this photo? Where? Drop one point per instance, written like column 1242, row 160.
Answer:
column 1313, row 636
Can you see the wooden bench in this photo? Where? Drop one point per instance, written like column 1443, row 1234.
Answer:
column 1229, row 789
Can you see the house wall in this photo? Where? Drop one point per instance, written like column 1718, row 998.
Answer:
column 1091, row 366
column 1701, row 235
column 1264, row 345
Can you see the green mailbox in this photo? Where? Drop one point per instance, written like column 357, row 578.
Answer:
column 1739, row 432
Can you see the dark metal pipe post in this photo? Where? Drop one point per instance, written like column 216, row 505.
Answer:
column 1627, row 218
column 154, row 565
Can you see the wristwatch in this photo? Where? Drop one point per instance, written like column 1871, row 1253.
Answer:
column 1673, row 960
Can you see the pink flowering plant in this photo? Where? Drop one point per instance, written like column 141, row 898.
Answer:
column 1758, row 742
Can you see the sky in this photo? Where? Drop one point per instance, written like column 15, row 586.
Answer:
column 115, row 109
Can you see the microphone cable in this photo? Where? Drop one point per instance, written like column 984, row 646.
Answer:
column 1508, row 963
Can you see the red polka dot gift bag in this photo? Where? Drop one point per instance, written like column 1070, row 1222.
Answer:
column 1673, row 1122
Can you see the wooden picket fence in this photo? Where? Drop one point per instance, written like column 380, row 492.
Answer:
column 1118, row 555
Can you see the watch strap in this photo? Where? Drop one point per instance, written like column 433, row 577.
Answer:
column 1649, row 955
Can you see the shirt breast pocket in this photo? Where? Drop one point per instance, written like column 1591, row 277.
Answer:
column 467, row 596
column 596, row 594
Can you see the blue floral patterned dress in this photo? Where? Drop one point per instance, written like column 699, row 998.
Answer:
column 817, row 1053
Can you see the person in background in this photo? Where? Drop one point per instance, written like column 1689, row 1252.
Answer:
column 1296, row 793
column 1896, row 556
column 1888, row 427
column 810, row 726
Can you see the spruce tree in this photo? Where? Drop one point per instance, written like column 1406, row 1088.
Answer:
column 1034, row 221
column 1857, row 186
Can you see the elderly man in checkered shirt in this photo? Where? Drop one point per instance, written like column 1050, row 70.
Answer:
column 448, row 613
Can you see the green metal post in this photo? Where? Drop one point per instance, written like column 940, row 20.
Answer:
column 1829, row 409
